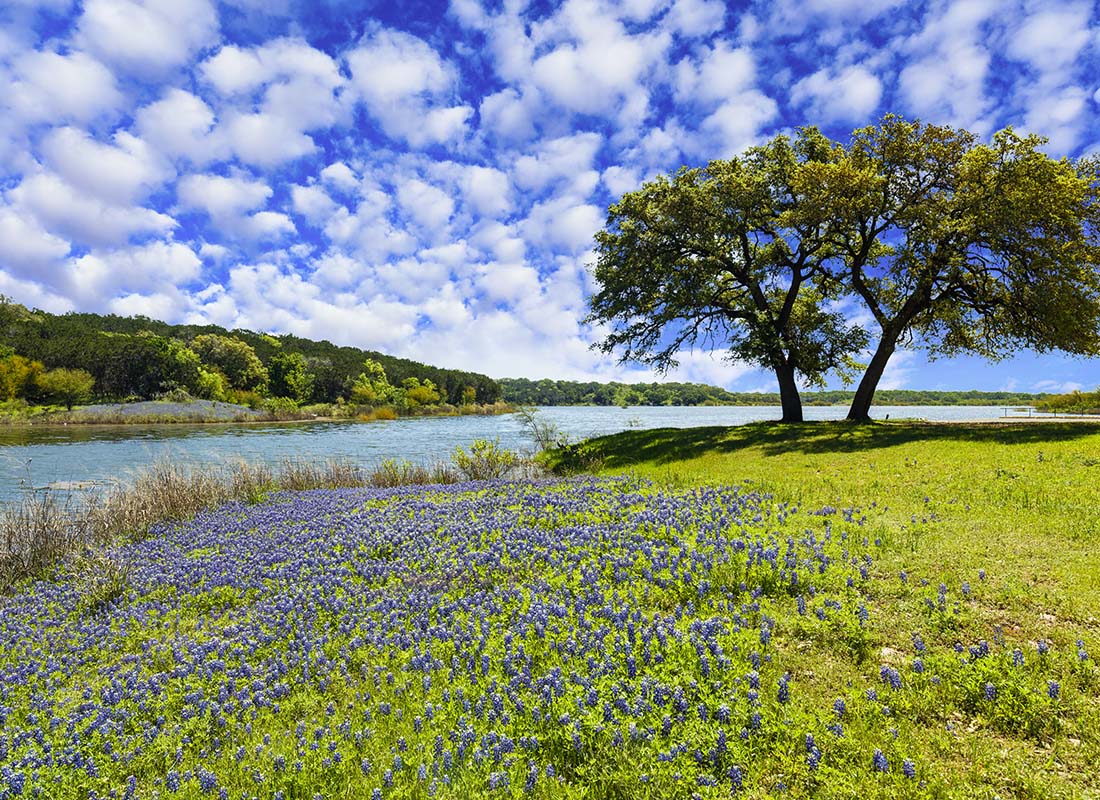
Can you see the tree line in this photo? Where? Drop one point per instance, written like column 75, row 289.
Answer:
column 803, row 252
column 546, row 392
column 139, row 358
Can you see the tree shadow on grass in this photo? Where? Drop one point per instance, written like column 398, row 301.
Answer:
column 667, row 445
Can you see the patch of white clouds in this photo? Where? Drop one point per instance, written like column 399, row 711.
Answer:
column 146, row 36
column 234, row 205
column 948, row 63
column 63, row 209
column 123, row 172
column 47, row 86
column 408, row 88
column 181, row 125
column 850, row 94
column 721, row 80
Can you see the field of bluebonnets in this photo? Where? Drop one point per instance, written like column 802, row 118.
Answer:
column 592, row 637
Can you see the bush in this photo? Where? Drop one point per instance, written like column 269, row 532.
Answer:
column 485, row 461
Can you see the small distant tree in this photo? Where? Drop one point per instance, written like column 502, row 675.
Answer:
column 372, row 387
column 469, row 396
column 67, row 386
column 419, row 394
column 235, row 359
column 289, row 377
column 18, row 376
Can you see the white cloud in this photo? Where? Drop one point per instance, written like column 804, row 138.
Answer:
column 849, row 95
column 561, row 159
column 101, row 275
column 220, row 196
column 340, row 175
column 696, row 17
column 426, row 204
column 488, row 191
column 406, row 86
column 313, row 203
column 563, row 223
column 302, row 90
column 180, row 125
column 716, row 74
column 229, row 200
column 25, row 248
column 47, row 86
column 142, row 36
column 1052, row 37
column 508, row 115
column 944, row 80
column 122, row 173
column 61, row 208
column 266, row 140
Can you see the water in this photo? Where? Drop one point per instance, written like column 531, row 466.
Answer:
column 81, row 455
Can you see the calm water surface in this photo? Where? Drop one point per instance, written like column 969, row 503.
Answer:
column 78, row 454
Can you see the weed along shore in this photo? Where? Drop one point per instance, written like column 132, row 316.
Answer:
column 825, row 609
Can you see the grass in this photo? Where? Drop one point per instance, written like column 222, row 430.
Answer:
column 1019, row 501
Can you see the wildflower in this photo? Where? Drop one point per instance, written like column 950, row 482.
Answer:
column 908, row 769
column 1053, row 689
column 879, row 762
column 990, row 691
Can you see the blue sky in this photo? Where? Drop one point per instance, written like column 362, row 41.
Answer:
column 425, row 178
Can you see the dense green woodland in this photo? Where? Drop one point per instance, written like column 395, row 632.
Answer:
column 568, row 393
column 138, row 357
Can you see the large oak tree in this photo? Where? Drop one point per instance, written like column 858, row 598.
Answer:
column 728, row 257
column 961, row 246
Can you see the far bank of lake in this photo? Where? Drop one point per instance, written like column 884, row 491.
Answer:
column 89, row 455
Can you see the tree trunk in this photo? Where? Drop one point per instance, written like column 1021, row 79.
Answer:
column 788, row 394
column 860, row 410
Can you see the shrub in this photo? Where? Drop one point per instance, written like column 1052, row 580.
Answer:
column 485, row 461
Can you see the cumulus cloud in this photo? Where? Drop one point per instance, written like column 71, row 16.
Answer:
column 49, row 86
column 848, row 95
column 121, row 173
column 141, row 36
column 25, row 248
column 232, row 203
column 180, row 125
column 406, row 86
column 300, row 89
column 944, row 79
column 85, row 219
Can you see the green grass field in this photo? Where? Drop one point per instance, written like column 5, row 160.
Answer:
column 1021, row 502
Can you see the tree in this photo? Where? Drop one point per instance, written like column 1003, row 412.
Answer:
column 728, row 256
column 371, row 387
column 419, row 394
column 18, row 376
column 235, row 359
column 289, row 377
column 962, row 246
column 67, row 386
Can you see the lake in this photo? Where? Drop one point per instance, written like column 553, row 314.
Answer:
column 59, row 456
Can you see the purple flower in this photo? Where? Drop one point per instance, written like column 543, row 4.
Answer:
column 879, row 762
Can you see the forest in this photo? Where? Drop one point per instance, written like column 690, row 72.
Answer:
column 137, row 358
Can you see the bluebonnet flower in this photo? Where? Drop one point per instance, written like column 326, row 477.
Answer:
column 1053, row 689
column 990, row 691
column 908, row 769
column 879, row 762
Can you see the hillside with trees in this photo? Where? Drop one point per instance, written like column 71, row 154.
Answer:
column 75, row 357
column 546, row 392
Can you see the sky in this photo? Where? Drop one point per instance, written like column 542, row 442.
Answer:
column 425, row 179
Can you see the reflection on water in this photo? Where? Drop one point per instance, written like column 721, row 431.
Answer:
column 77, row 454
